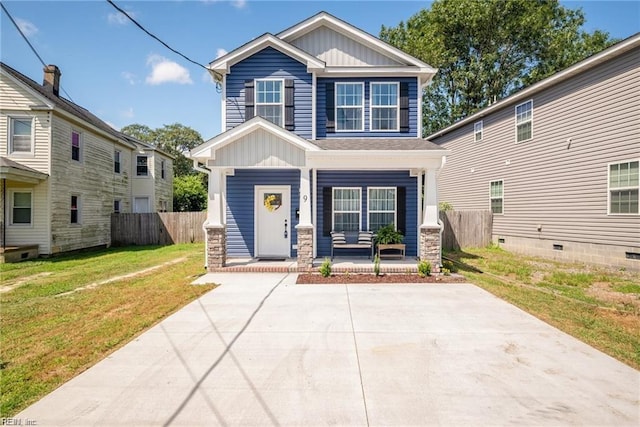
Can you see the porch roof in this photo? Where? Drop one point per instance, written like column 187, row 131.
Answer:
column 382, row 144
column 14, row 171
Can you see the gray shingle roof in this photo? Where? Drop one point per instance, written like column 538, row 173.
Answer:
column 8, row 163
column 375, row 144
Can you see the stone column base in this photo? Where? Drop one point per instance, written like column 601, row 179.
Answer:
column 216, row 246
column 305, row 247
column 430, row 246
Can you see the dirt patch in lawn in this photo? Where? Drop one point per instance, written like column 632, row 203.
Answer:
column 338, row 279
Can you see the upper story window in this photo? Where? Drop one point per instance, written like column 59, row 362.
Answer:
column 524, row 121
column 346, row 209
column 349, row 106
column 163, row 171
column 21, row 135
column 21, row 208
column 117, row 161
column 496, row 196
column 477, row 131
column 142, row 166
column 385, row 107
column 624, row 185
column 76, row 141
column 270, row 100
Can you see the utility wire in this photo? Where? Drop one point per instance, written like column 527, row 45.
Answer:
column 218, row 76
column 33, row 49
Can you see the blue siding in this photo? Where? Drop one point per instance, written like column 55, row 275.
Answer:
column 240, row 206
column 364, row 179
column 321, row 118
column 270, row 62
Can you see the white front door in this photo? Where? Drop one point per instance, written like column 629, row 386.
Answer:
column 273, row 221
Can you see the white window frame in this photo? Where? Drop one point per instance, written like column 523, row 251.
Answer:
column 164, row 206
column 333, row 206
column 119, row 203
column 491, row 197
column 256, row 104
column 163, row 169
column 80, row 145
column 625, row 188
column 12, row 192
column 336, row 107
column 147, row 174
column 395, row 206
column 515, row 109
column 78, row 209
column 372, row 107
column 117, row 160
column 10, row 136
column 478, row 129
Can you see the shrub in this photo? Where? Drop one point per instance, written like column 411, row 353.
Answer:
column 376, row 265
column 446, row 271
column 388, row 235
column 424, row 268
column 325, row 268
column 445, row 206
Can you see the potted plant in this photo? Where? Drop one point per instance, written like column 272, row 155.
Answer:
column 388, row 237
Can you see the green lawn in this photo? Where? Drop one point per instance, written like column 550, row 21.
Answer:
column 47, row 338
column 596, row 305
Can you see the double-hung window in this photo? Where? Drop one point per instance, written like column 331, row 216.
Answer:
column 346, row 209
column 496, row 196
column 624, row 185
column 477, row 131
column 382, row 207
column 385, row 107
column 76, row 141
column 116, row 206
column 524, row 121
column 21, row 135
column 349, row 106
column 117, row 161
column 75, row 209
column 163, row 171
column 21, row 208
column 142, row 166
column 269, row 96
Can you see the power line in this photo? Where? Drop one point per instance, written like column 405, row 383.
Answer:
column 125, row 13
column 33, row 49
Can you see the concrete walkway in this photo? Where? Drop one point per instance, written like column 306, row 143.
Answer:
column 260, row 350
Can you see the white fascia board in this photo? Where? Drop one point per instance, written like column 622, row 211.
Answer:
column 376, row 159
column 354, row 33
column 223, row 64
column 14, row 174
column 425, row 74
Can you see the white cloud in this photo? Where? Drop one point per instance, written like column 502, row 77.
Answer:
column 164, row 70
column 129, row 77
column 238, row 4
column 118, row 18
column 28, row 28
column 220, row 52
column 206, row 77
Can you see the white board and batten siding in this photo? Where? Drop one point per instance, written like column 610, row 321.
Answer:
column 555, row 184
column 260, row 148
column 336, row 49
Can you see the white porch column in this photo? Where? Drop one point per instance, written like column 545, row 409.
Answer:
column 305, row 198
column 305, row 226
column 430, row 207
column 215, row 227
column 214, row 206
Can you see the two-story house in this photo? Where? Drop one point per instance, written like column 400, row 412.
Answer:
column 321, row 131
column 557, row 162
column 64, row 171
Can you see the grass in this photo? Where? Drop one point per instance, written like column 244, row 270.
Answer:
column 48, row 338
column 598, row 306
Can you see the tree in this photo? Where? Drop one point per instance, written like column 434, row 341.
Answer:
column 189, row 194
column 175, row 139
column 486, row 50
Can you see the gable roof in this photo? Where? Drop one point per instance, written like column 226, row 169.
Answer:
column 60, row 103
column 632, row 42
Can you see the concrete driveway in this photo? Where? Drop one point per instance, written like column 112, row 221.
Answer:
column 260, row 350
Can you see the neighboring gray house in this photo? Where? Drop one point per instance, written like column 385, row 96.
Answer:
column 557, row 162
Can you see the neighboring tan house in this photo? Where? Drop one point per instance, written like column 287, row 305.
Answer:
column 321, row 132
column 65, row 171
column 557, row 162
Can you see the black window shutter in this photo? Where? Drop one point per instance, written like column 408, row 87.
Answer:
column 402, row 210
column 249, row 109
column 288, row 104
column 327, row 210
column 404, row 107
column 330, row 107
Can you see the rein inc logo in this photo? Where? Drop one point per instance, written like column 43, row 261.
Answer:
column 18, row 422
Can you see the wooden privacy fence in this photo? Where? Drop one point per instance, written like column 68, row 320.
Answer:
column 464, row 229
column 164, row 228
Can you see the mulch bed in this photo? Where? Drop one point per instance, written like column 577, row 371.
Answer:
column 315, row 278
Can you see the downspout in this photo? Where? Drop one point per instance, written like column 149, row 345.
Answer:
column 440, row 223
column 4, row 214
column 204, row 224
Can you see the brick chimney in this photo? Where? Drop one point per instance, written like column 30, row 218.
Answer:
column 52, row 79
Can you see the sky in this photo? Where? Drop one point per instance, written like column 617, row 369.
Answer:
column 116, row 71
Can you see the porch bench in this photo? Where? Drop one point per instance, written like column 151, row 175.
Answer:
column 352, row 240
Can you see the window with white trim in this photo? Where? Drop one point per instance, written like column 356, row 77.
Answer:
column 142, row 166
column 163, row 170
column 75, row 209
column 346, row 209
column 21, row 135
column 382, row 209
column 524, row 121
column 496, row 196
column 385, row 106
column 624, row 186
column 269, row 100
column 117, row 161
column 21, row 207
column 76, row 146
column 349, row 107
column 477, row 131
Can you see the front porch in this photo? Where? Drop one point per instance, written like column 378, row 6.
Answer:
column 340, row 265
